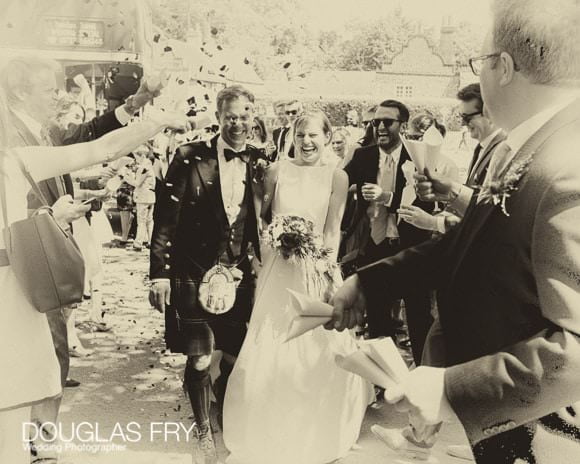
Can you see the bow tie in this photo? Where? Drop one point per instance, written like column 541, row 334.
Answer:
column 231, row 154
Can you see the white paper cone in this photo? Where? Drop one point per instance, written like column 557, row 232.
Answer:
column 308, row 306
column 433, row 141
column 387, row 356
column 302, row 324
column 360, row 364
column 416, row 151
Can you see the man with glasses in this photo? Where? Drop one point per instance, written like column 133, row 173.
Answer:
column 284, row 141
column 509, row 275
column 377, row 172
column 481, row 128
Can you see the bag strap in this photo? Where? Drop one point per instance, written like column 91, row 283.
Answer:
column 29, row 178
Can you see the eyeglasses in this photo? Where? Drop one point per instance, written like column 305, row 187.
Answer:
column 387, row 122
column 477, row 63
column 467, row 117
column 292, row 112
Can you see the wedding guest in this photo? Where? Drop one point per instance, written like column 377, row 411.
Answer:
column 285, row 143
column 31, row 371
column 340, row 146
column 377, row 172
column 31, row 92
column 143, row 182
column 506, row 275
column 126, row 208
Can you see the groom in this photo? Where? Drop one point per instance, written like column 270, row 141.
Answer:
column 207, row 216
column 508, row 277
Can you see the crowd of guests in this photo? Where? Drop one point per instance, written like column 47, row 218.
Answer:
column 392, row 211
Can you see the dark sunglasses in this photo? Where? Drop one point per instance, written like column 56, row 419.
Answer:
column 293, row 112
column 387, row 122
column 467, row 117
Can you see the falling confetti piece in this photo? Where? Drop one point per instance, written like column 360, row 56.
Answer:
column 219, row 47
column 181, row 82
column 214, row 31
column 246, row 61
column 287, row 65
column 156, row 38
column 224, row 67
column 200, row 68
column 167, row 49
column 121, row 48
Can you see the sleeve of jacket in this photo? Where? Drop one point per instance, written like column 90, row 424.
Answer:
column 351, row 168
column 414, row 269
column 91, row 130
column 168, row 210
column 540, row 375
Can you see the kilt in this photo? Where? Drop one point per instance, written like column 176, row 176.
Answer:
column 190, row 330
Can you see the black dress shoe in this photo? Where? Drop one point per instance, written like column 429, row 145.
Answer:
column 71, row 383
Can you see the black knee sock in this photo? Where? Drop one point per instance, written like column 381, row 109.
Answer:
column 198, row 389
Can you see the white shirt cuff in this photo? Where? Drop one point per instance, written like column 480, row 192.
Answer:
column 160, row 279
column 390, row 200
column 122, row 116
column 460, row 204
column 440, row 224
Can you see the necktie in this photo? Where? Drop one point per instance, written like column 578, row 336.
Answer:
column 379, row 223
column 231, row 154
column 474, row 160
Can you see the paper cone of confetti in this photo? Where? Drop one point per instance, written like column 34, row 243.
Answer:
column 433, row 140
column 387, row 356
column 417, row 152
column 361, row 364
column 311, row 314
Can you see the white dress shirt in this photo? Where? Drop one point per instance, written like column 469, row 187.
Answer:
column 232, row 180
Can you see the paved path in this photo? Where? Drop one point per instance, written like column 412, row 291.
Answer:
column 131, row 386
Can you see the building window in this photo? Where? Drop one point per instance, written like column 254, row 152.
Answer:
column 404, row 91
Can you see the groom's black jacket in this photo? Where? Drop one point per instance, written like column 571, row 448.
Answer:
column 191, row 230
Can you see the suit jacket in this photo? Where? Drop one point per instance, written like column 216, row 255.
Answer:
column 509, row 305
column 364, row 167
column 78, row 133
column 191, row 229
column 475, row 177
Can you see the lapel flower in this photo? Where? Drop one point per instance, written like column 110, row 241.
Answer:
column 500, row 188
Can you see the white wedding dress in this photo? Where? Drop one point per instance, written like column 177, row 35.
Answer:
column 290, row 402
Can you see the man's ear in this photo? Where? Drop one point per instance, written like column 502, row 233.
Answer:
column 507, row 68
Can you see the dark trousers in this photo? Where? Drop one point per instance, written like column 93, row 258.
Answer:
column 47, row 409
column 380, row 320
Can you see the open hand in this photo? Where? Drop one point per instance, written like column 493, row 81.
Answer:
column 349, row 306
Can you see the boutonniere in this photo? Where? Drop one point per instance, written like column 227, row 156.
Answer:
column 498, row 190
column 259, row 165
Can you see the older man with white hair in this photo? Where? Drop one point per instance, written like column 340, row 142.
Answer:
column 509, row 275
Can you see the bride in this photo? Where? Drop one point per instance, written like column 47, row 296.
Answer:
column 288, row 402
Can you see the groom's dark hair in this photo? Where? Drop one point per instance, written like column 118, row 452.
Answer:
column 231, row 93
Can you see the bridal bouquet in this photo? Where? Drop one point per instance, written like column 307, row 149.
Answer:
column 293, row 237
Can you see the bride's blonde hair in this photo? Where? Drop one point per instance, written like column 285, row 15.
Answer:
column 314, row 116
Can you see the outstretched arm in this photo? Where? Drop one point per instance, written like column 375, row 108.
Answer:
column 46, row 162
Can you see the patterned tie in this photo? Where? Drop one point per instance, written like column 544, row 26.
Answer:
column 379, row 221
